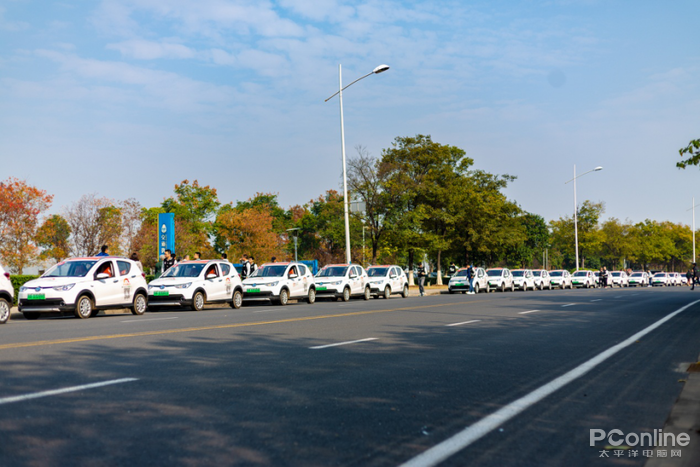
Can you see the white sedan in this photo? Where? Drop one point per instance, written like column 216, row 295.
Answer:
column 279, row 283
column 342, row 281
column 584, row 279
column 618, row 278
column 387, row 280
column 460, row 283
column 661, row 279
column 500, row 279
column 639, row 279
column 542, row 279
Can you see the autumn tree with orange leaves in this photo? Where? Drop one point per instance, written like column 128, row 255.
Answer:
column 249, row 231
column 20, row 208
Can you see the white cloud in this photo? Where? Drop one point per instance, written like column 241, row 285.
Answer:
column 149, row 50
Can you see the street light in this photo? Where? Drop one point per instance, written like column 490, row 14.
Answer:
column 693, row 209
column 576, row 205
column 295, row 241
column 376, row 71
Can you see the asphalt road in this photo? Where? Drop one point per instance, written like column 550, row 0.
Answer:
column 266, row 385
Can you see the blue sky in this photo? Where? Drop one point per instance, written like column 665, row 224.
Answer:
column 125, row 98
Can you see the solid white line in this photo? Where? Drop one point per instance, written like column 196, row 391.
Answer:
column 136, row 320
column 36, row 395
column 464, row 322
column 343, row 343
column 570, row 304
column 526, row 312
column 469, row 435
column 597, row 300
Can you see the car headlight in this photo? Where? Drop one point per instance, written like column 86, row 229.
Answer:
column 63, row 288
column 23, row 289
column 273, row 284
column 336, row 283
column 376, row 282
column 183, row 286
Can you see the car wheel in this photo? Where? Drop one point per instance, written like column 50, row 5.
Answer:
column 31, row 315
column 368, row 294
column 83, row 309
column 198, row 301
column 404, row 292
column 451, row 291
column 387, row 292
column 503, row 286
column 488, row 288
column 512, row 287
column 476, row 288
column 312, row 296
column 4, row 311
column 140, row 305
column 237, row 299
column 346, row 294
column 284, row 297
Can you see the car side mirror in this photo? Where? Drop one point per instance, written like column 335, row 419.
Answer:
column 102, row 276
column 292, row 275
column 211, row 275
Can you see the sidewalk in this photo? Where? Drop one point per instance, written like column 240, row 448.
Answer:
column 429, row 290
column 684, row 418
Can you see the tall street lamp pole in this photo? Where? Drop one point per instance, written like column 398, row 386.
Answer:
column 376, row 71
column 693, row 209
column 294, row 232
column 576, row 206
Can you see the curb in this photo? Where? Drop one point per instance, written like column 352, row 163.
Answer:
column 684, row 418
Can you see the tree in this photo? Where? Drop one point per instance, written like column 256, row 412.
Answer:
column 94, row 222
column 536, row 239
column 617, row 243
column 250, row 231
column 693, row 152
column 20, row 208
column 195, row 205
column 589, row 237
column 131, row 224
column 53, row 236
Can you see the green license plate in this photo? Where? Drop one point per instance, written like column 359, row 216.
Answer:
column 577, row 282
column 36, row 296
column 457, row 284
column 161, row 293
column 253, row 290
column 320, row 289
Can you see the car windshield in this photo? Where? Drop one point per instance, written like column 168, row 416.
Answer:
column 70, row 269
column 616, row 274
column 518, row 273
column 462, row 273
column 494, row 272
column 660, row 274
column 580, row 273
column 556, row 273
column 637, row 274
column 537, row 273
column 270, row 271
column 184, row 270
column 332, row 271
column 377, row 272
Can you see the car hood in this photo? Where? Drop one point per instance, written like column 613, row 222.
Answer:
column 53, row 281
column 261, row 280
column 172, row 280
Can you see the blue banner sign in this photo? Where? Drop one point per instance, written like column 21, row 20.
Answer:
column 166, row 233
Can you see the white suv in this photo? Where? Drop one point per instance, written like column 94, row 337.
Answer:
column 541, row 279
column 343, row 281
column 618, row 278
column 523, row 279
column 583, row 278
column 560, row 278
column 85, row 286
column 500, row 279
column 7, row 294
column 387, row 280
column 196, row 283
column 279, row 283
column 460, row 283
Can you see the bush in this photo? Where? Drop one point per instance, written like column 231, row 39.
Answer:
column 19, row 281
column 149, row 277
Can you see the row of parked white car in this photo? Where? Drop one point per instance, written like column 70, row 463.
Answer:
column 84, row 286
column 502, row 279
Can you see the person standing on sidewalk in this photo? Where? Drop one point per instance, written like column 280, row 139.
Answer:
column 421, row 279
column 168, row 260
column 693, row 276
column 470, row 278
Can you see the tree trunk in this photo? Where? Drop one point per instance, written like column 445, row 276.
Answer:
column 439, row 269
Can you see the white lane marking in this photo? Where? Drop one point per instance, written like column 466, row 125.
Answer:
column 526, row 312
column 36, row 395
column 464, row 322
column 597, row 300
column 569, row 304
column 343, row 343
column 136, row 320
column 469, row 435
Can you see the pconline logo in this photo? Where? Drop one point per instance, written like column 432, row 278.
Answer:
column 656, row 438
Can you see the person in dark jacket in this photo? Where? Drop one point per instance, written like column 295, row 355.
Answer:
column 421, row 279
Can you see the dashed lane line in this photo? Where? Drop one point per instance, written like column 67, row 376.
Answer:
column 464, row 322
column 526, row 312
column 318, row 347
column 56, row 392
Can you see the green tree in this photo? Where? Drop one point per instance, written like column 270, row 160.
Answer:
column 53, row 236
column 692, row 151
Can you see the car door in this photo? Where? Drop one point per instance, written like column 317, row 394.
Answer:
column 215, row 285
column 294, row 280
column 395, row 279
column 126, row 277
column 108, row 290
column 355, row 280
